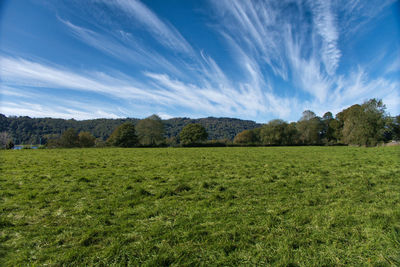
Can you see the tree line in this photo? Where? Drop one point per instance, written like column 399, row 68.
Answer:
column 26, row 130
column 149, row 132
column 366, row 124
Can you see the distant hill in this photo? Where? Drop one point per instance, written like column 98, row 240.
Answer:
column 26, row 130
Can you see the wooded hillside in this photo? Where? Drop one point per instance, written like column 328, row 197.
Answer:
column 26, row 130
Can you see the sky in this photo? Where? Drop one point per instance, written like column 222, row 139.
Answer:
column 256, row 60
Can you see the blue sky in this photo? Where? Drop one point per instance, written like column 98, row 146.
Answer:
column 256, row 60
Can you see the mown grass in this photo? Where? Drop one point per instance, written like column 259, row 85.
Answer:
column 280, row 206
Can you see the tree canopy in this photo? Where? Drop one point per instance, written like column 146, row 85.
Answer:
column 360, row 124
column 124, row 136
column 150, row 131
column 366, row 124
column 193, row 134
column 70, row 138
column 247, row 137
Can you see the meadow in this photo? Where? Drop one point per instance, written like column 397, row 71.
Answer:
column 229, row 206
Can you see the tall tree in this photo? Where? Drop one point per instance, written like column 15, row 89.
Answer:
column 274, row 133
column 310, row 128
column 192, row 134
column 150, row 131
column 124, row 136
column 334, row 133
column 291, row 134
column 392, row 128
column 329, row 128
column 308, row 115
column 365, row 124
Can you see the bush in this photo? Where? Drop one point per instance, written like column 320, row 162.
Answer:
column 86, row 139
column 10, row 144
column 69, row 138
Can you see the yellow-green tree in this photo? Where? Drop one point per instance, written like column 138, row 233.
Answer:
column 246, row 137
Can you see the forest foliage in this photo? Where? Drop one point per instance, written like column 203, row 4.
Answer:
column 26, row 130
column 361, row 124
column 366, row 124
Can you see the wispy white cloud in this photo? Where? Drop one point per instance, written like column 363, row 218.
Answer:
column 359, row 87
column 306, row 72
column 356, row 14
column 245, row 100
column 28, row 73
column 325, row 24
column 296, row 42
column 161, row 88
column 394, row 66
column 121, row 45
column 302, row 50
column 21, row 108
column 253, row 26
column 15, row 92
column 162, row 31
column 20, row 72
column 280, row 36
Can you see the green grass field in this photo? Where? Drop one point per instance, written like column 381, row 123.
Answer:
column 280, row 206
